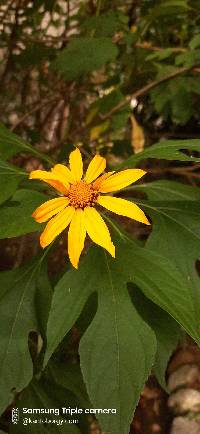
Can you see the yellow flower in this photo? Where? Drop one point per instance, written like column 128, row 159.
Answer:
column 76, row 206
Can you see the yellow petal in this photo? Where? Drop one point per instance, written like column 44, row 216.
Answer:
column 95, row 168
column 58, row 186
column 123, row 207
column 54, row 179
column 96, row 184
column 121, row 180
column 97, row 230
column 63, row 171
column 76, row 237
column 56, row 225
column 49, row 209
column 76, row 164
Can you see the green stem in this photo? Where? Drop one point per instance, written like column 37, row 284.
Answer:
column 99, row 4
column 115, row 227
column 98, row 9
column 45, row 254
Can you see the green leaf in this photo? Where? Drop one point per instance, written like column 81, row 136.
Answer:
column 161, row 54
column 175, row 210
column 181, row 104
column 173, row 99
column 166, row 150
column 195, row 42
column 73, row 61
column 170, row 289
column 74, row 288
column 106, row 24
column 69, row 376
column 168, row 8
column 108, row 102
column 11, row 144
column 194, row 85
column 118, row 330
column 10, row 178
column 112, row 368
column 34, row 54
column 188, row 59
column 16, row 216
column 167, row 331
column 18, row 319
column 41, row 395
column 117, row 327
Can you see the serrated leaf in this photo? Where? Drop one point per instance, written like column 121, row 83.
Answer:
column 18, row 319
column 16, row 216
column 73, row 61
column 106, row 24
column 166, row 150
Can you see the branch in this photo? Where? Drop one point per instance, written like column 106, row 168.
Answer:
column 147, row 46
column 140, row 92
column 34, row 110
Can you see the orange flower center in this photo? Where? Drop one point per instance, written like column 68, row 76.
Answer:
column 81, row 195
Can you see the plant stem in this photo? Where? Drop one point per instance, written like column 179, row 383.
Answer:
column 98, row 7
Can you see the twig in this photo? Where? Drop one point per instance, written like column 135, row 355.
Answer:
column 140, row 92
column 68, row 9
column 149, row 47
column 33, row 110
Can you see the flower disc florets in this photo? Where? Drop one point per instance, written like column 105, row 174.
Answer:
column 81, row 195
